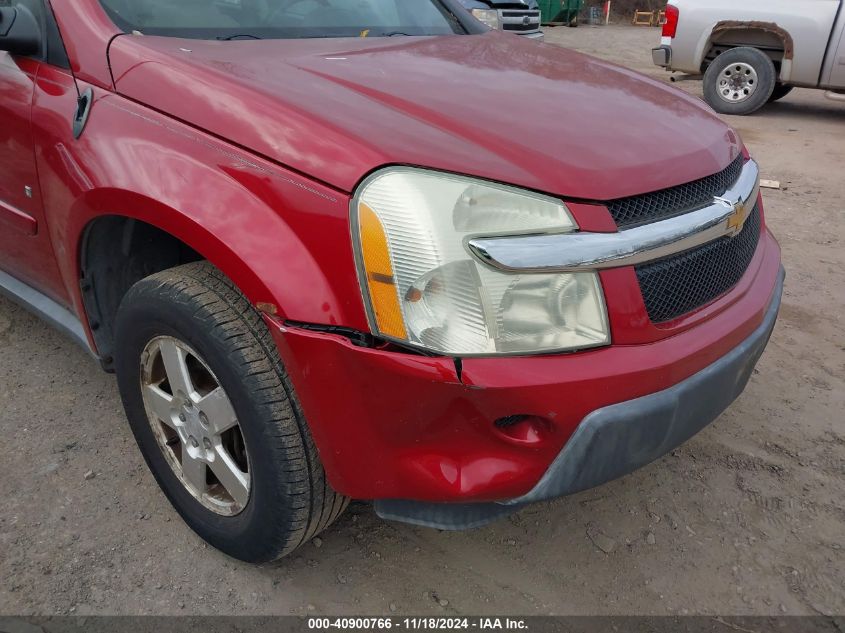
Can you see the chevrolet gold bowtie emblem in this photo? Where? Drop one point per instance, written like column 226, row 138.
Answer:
column 737, row 219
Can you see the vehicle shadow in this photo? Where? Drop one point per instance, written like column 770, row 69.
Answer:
column 821, row 111
column 610, row 540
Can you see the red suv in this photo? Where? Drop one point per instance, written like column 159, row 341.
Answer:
column 374, row 250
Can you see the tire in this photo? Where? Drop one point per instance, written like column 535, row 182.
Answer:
column 749, row 80
column 280, row 498
column 780, row 91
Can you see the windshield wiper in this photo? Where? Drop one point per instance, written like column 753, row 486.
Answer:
column 395, row 33
column 228, row 38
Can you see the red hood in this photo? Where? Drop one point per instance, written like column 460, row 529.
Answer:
column 491, row 105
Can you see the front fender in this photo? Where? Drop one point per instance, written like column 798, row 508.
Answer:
column 282, row 238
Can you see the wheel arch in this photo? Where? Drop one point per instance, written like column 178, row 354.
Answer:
column 123, row 236
column 769, row 37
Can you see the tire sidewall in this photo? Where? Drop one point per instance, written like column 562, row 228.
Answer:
column 766, row 77
column 139, row 323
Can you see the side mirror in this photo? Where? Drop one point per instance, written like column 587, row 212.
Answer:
column 20, row 33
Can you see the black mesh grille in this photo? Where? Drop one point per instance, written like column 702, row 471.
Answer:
column 520, row 27
column 651, row 207
column 682, row 283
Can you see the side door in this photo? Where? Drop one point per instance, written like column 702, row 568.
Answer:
column 833, row 75
column 26, row 251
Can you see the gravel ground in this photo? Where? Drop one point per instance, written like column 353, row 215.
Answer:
column 747, row 518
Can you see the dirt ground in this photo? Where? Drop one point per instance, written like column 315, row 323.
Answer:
column 747, row 518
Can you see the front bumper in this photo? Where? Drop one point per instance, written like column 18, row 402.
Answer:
column 393, row 425
column 537, row 35
column 617, row 440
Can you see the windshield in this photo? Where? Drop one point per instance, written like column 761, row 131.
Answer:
column 281, row 19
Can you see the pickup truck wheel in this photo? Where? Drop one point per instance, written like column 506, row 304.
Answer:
column 739, row 81
column 780, row 91
column 216, row 418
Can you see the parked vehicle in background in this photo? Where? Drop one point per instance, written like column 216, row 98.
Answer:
column 342, row 254
column 521, row 18
column 755, row 51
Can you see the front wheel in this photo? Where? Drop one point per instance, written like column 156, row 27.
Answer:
column 739, row 81
column 216, row 418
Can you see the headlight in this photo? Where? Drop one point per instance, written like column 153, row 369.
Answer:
column 490, row 17
column 425, row 289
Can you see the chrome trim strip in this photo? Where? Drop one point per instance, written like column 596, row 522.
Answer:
column 15, row 218
column 578, row 252
column 518, row 17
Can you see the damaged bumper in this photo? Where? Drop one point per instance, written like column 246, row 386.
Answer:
column 421, row 436
column 616, row 440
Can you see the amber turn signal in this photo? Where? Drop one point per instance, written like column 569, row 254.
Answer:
column 381, row 283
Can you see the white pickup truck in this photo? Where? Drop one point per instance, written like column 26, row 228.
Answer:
column 752, row 52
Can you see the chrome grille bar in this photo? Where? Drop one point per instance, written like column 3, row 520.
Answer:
column 582, row 251
column 518, row 20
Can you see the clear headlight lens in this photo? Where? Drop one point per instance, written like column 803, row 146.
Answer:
column 424, row 288
column 490, row 17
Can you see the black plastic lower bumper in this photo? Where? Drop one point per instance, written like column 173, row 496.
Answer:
column 616, row 440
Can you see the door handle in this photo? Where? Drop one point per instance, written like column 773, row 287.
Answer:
column 83, row 109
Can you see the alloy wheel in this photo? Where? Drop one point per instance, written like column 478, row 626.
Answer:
column 195, row 425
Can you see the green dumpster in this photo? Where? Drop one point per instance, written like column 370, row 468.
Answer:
column 560, row 11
